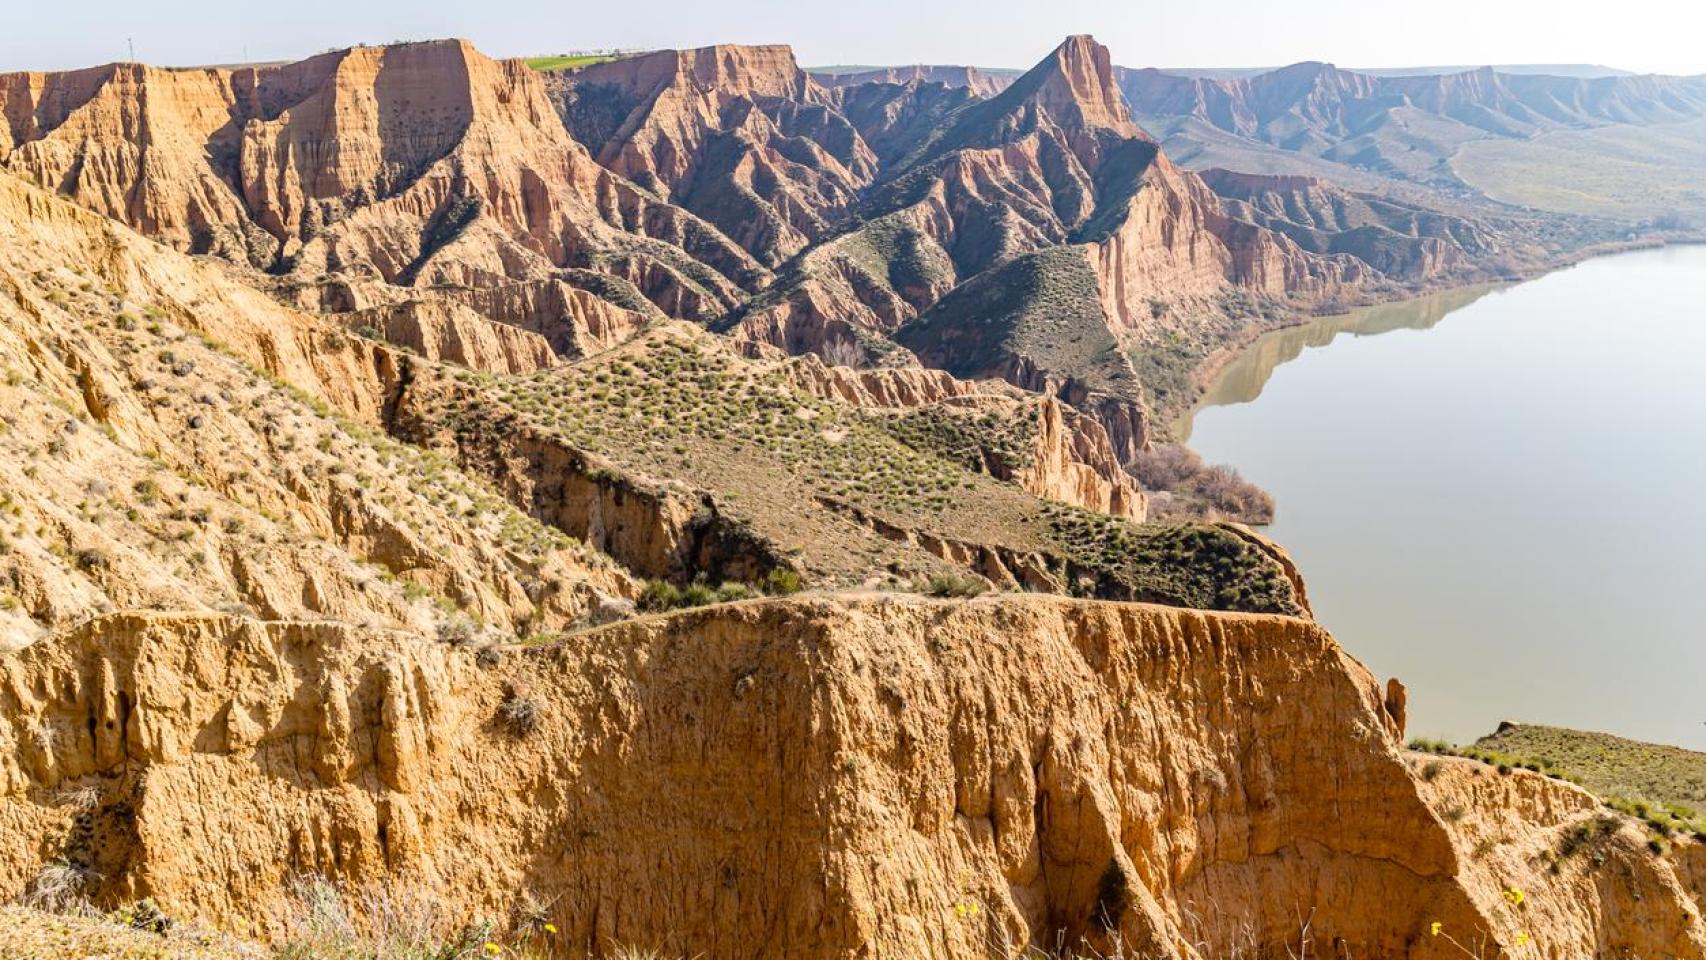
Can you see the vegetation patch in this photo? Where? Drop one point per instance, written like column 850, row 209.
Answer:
column 1191, row 564
column 567, row 61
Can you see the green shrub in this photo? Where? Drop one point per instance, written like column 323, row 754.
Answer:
column 780, row 582
column 659, row 595
column 955, row 585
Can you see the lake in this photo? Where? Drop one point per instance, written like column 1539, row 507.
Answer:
column 1498, row 495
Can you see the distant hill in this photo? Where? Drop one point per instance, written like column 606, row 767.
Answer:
column 1580, row 71
column 1583, row 71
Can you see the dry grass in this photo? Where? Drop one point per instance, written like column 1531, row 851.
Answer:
column 27, row 934
column 328, row 921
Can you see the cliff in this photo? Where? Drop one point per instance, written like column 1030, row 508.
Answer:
column 581, row 205
column 862, row 776
column 456, row 334
column 740, row 135
column 419, row 163
column 981, row 219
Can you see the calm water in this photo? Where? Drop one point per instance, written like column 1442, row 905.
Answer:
column 1499, row 494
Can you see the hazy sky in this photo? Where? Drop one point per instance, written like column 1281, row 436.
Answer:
column 1647, row 35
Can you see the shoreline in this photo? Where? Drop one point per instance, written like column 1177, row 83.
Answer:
column 1207, row 373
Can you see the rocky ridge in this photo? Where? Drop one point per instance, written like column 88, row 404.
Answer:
column 1400, row 126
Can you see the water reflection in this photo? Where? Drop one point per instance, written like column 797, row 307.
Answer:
column 1504, row 510
column 1243, row 378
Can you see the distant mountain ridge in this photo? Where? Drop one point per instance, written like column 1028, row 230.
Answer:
column 1582, row 71
column 1398, row 126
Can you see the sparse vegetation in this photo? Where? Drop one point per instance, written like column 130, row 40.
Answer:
column 1662, row 776
column 955, row 585
column 1664, row 819
column 519, row 712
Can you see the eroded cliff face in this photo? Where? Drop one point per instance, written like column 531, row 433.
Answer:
column 979, row 82
column 739, row 135
column 456, row 334
column 418, row 163
column 1029, row 224
column 1398, row 239
column 176, row 440
column 850, row 776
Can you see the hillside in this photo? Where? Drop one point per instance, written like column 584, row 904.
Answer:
column 1611, row 766
column 1319, row 120
column 1640, row 173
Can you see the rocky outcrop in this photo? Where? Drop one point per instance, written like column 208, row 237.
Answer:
column 574, row 321
column 740, row 135
column 1075, row 463
column 1586, row 876
column 450, row 332
column 883, row 386
column 877, row 777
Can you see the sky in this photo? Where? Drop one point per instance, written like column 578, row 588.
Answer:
column 1642, row 35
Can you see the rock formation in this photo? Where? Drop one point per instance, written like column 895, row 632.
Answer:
column 420, row 163
column 310, row 551
column 727, row 186
column 982, row 83
column 740, row 135
column 994, row 201
column 859, row 776
column 456, row 334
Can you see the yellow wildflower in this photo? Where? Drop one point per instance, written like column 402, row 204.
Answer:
column 1515, row 897
column 493, row 949
column 550, row 928
column 1522, row 938
column 1434, row 928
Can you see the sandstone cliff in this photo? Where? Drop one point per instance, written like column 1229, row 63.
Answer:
column 853, row 776
column 740, row 135
column 580, row 205
column 456, row 334
column 975, row 222
column 419, row 163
